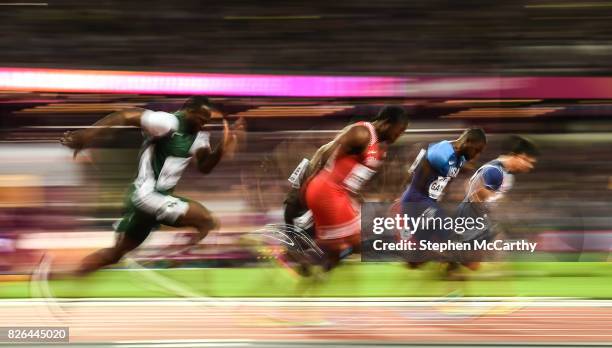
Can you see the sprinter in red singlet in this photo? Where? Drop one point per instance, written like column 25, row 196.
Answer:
column 332, row 193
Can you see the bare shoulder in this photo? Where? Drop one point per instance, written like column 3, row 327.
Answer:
column 132, row 115
column 358, row 135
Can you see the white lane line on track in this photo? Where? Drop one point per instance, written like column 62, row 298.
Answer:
column 465, row 303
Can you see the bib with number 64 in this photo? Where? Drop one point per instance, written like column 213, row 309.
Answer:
column 437, row 186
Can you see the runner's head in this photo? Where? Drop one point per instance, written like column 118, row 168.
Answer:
column 391, row 122
column 471, row 143
column 521, row 155
column 198, row 111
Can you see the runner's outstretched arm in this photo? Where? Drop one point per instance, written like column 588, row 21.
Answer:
column 78, row 140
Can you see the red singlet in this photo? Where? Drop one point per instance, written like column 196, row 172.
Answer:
column 328, row 194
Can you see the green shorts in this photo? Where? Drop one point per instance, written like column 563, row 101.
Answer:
column 136, row 223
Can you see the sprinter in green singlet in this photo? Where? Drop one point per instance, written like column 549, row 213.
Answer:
column 171, row 142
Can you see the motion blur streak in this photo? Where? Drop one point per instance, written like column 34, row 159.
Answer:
column 184, row 83
column 64, row 80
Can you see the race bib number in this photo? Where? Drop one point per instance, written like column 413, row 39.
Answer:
column 357, row 177
column 437, row 186
column 298, row 174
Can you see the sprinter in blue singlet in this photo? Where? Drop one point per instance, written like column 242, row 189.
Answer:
column 434, row 169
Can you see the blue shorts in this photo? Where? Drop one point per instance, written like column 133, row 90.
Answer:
column 417, row 205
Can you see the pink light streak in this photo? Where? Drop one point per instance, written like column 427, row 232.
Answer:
column 166, row 83
column 61, row 80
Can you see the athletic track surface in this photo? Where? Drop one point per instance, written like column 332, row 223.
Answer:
column 331, row 322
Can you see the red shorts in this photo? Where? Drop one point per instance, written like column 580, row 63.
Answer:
column 336, row 214
column 335, row 247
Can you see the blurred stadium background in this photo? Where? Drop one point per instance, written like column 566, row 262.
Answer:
column 558, row 37
column 296, row 73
